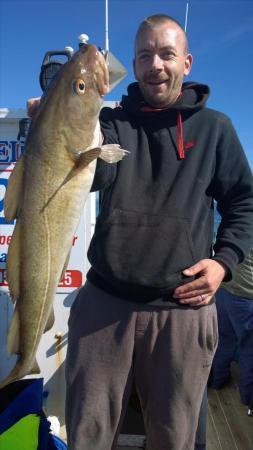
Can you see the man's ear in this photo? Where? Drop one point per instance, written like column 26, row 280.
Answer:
column 188, row 64
column 134, row 68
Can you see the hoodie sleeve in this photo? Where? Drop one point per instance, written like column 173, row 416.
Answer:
column 105, row 172
column 233, row 190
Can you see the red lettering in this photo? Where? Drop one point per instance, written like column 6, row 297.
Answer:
column 71, row 278
column 5, row 240
column 74, row 240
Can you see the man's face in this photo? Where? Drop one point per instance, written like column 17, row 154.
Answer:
column 160, row 64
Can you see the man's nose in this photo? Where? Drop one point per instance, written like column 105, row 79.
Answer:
column 157, row 63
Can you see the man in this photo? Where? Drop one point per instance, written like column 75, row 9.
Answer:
column 235, row 323
column 147, row 312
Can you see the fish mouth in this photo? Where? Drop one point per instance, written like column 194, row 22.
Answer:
column 102, row 77
column 97, row 65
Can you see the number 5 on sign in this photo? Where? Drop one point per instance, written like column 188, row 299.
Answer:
column 71, row 278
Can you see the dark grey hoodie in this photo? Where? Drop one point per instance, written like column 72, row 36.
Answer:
column 156, row 217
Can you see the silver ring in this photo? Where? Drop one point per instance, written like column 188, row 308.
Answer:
column 202, row 297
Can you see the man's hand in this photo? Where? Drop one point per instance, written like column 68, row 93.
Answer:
column 210, row 274
column 32, row 105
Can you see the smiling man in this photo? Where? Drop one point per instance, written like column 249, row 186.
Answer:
column 161, row 61
column 147, row 313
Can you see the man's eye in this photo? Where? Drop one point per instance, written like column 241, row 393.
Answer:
column 144, row 57
column 168, row 55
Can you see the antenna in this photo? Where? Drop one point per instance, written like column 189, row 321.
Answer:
column 116, row 70
column 186, row 17
column 106, row 27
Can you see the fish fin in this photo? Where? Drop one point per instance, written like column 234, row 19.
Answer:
column 50, row 320
column 87, row 157
column 13, row 334
column 13, row 263
column 35, row 368
column 83, row 161
column 112, row 153
column 12, row 199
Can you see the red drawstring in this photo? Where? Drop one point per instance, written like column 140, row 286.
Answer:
column 180, row 139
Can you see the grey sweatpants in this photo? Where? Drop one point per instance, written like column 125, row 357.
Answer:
column 168, row 353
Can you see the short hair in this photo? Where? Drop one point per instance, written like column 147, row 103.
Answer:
column 156, row 20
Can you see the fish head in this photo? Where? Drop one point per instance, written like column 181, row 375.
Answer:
column 87, row 78
column 86, row 83
column 69, row 109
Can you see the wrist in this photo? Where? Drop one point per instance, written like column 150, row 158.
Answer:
column 224, row 267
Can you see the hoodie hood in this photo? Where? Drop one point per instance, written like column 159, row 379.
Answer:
column 192, row 98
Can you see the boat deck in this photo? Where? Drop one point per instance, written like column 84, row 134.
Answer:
column 228, row 428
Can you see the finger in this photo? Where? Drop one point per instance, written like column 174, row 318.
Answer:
column 198, row 284
column 32, row 105
column 195, row 293
column 197, row 301
column 196, row 268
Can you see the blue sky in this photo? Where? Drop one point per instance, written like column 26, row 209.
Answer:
column 220, row 36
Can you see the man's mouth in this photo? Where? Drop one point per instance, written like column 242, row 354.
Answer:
column 156, row 82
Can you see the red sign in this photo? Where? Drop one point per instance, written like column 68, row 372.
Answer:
column 72, row 278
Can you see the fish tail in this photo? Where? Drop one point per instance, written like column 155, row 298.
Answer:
column 19, row 371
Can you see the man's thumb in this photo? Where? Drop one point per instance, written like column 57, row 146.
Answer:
column 193, row 270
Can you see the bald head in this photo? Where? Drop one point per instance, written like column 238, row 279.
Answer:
column 160, row 19
column 161, row 60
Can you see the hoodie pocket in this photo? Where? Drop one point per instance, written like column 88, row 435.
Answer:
column 141, row 249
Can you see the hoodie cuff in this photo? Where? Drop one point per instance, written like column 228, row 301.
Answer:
column 230, row 258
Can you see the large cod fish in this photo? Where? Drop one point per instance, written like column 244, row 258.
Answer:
column 46, row 194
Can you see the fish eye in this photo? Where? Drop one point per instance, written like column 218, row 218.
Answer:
column 78, row 86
